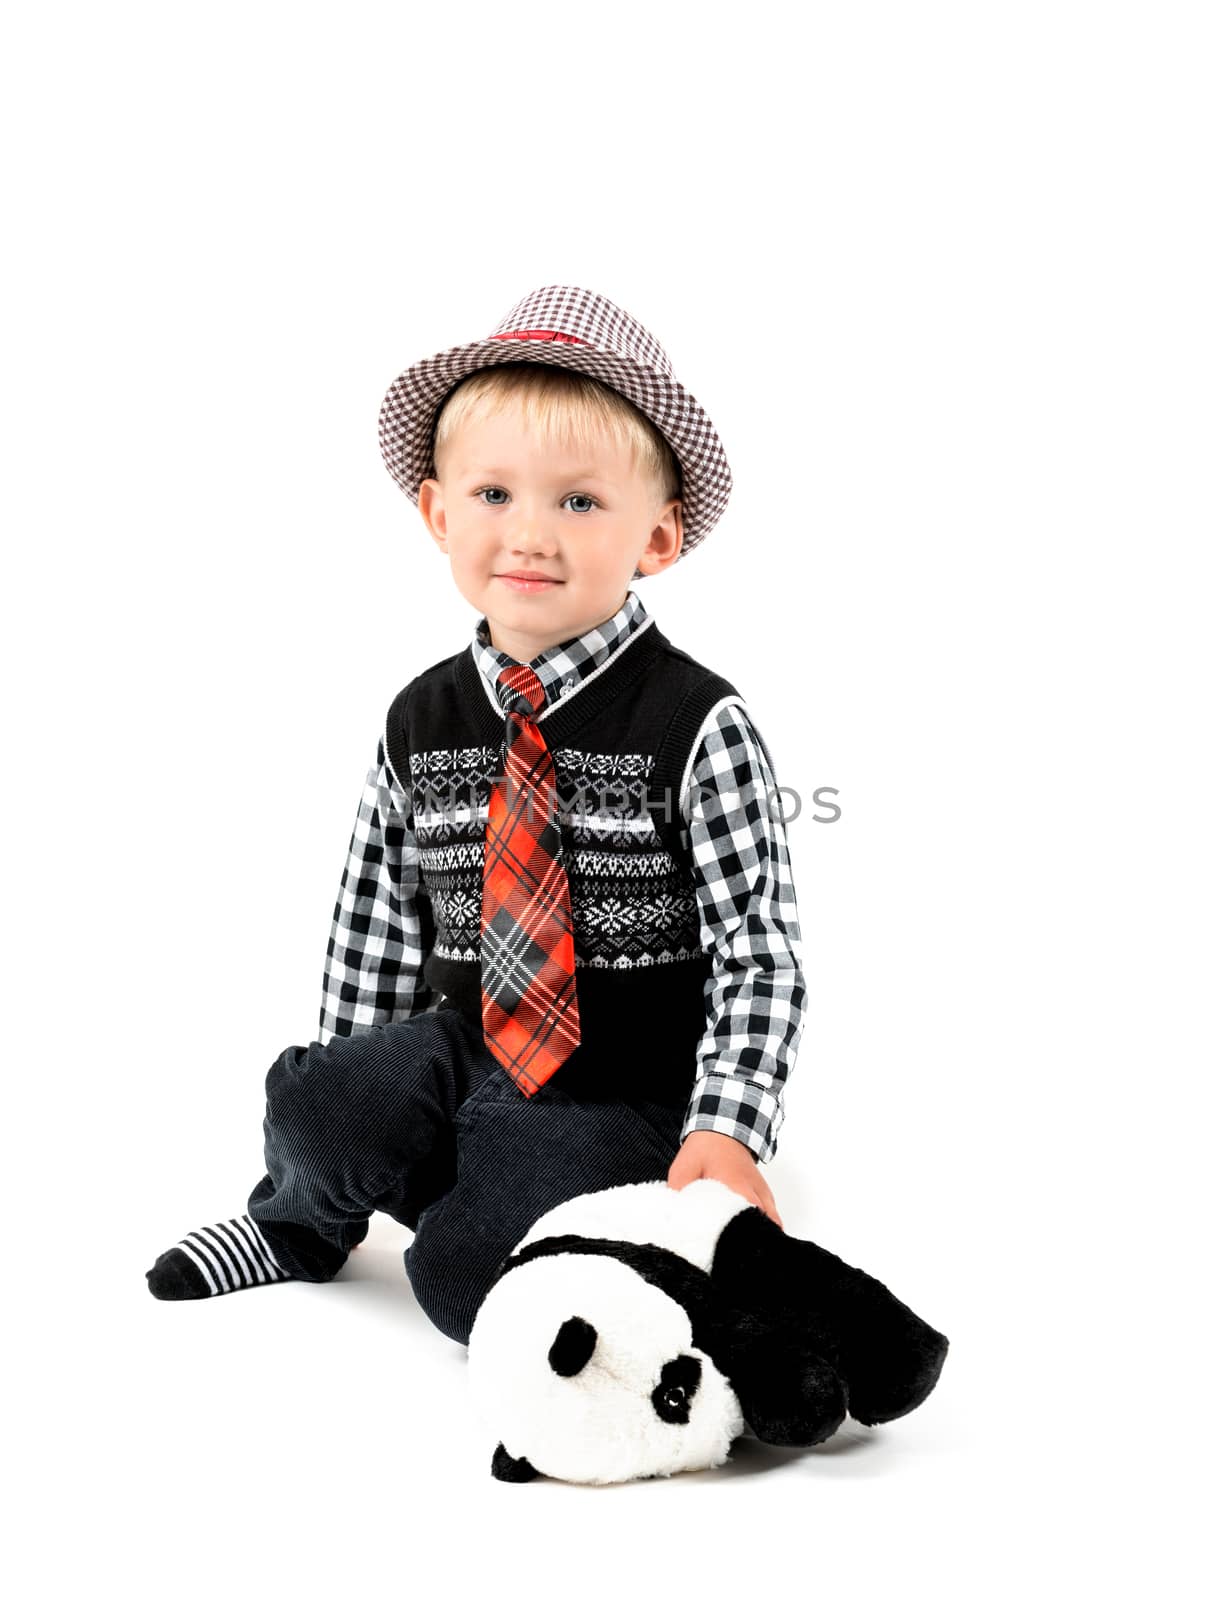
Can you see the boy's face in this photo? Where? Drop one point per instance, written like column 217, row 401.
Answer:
column 585, row 520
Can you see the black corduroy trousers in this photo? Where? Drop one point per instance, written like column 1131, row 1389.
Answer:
column 416, row 1119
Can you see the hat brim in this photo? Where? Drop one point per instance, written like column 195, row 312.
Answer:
column 412, row 403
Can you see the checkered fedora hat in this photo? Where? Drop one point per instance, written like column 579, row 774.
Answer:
column 564, row 326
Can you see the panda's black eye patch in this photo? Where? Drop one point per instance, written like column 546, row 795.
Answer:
column 673, row 1394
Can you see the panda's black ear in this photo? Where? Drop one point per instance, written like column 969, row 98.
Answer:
column 572, row 1347
column 510, row 1469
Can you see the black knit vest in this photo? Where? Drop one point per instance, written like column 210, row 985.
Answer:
column 620, row 743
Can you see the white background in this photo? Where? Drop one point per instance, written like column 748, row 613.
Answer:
column 940, row 275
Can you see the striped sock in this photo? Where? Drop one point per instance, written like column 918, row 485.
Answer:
column 214, row 1260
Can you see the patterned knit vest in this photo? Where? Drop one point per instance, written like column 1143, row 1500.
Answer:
column 621, row 742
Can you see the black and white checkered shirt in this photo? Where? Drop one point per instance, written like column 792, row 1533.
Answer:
column 732, row 824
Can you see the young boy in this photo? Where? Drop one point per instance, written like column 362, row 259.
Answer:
column 563, row 955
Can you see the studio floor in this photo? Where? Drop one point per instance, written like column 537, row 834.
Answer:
column 307, row 1439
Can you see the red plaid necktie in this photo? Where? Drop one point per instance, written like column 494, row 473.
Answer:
column 528, row 989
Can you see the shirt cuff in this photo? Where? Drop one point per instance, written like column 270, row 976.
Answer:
column 724, row 1103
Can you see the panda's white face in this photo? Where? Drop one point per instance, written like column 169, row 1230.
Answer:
column 580, row 1365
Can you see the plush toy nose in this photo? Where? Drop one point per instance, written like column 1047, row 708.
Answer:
column 572, row 1347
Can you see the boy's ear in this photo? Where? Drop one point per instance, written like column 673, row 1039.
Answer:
column 433, row 511
column 665, row 541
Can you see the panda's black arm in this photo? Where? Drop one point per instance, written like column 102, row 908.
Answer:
column 888, row 1357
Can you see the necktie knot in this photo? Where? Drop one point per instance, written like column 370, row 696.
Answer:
column 521, row 690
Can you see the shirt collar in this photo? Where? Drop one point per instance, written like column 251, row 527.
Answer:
column 562, row 666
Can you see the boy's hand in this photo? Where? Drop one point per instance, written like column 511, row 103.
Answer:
column 719, row 1155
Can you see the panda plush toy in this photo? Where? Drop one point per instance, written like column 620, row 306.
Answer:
column 636, row 1331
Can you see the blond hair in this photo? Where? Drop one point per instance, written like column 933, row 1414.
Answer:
column 566, row 409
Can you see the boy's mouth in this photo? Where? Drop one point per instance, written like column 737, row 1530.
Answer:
column 528, row 582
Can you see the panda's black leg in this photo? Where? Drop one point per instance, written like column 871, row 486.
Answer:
column 802, row 1412
column 888, row 1357
column 892, row 1358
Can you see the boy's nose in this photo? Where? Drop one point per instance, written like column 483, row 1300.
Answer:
column 531, row 535
column 531, row 518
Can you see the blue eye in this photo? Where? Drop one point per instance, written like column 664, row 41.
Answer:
column 589, row 500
